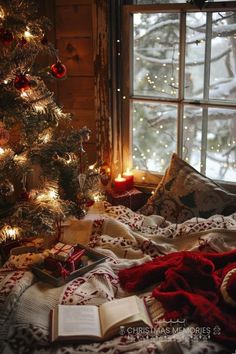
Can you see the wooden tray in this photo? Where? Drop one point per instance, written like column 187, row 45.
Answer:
column 45, row 275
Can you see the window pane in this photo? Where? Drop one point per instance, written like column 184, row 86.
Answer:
column 195, row 54
column 192, row 136
column 221, row 149
column 154, row 135
column 155, row 54
column 223, row 56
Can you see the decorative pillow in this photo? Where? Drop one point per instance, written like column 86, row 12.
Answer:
column 184, row 193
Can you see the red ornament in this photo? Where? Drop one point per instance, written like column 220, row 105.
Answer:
column 89, row 202
column 21, row 82
column 6, row 37
column 58, row 70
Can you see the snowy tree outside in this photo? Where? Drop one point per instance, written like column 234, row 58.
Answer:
column 185, row 81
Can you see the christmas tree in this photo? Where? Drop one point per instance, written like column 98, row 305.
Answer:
column 44, row 172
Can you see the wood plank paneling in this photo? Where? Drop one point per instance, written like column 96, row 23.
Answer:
column 77, row 55
column 101, row 57
column 77, row 93
column 82, row 118
column 73, row 2
column 81, row 37
column 73, row 21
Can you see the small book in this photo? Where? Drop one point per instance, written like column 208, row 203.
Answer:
column 91, row 322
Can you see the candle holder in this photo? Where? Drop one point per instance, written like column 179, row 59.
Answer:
column 129, row 177
column 119, row 184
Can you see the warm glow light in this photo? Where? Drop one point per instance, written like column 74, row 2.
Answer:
column 2, row 14
column 120, row 184
column 45, row 137
column 24, row 94
column 59, row 111
column 129, row 177
column 8, row 232
column 6, row 153
column 91, row 167
column 27, row 34
column 119, row 178
column 20, row 159
column 69, row 159
column 39, row 108
column 47, row 196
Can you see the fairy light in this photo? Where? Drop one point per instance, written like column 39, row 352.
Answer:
column 9, row 232
column 39, row 108
column 21, row 159
column 2, row 14
column 27, row 34
column 6, row 153
column 24, row 94
column 47, row 196
column 45, row 137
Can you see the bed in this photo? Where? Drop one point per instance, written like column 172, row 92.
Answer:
column 142, row 253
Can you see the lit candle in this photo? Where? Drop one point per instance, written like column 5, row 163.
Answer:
column 129, row 177
column 120, row 184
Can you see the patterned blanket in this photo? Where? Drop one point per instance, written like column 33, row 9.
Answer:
column 127, row 239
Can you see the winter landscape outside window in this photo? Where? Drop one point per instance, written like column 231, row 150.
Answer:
column 181, row 92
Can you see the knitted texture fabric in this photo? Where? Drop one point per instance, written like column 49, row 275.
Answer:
column 189, row 288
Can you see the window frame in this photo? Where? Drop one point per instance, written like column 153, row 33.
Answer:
column 147, row 178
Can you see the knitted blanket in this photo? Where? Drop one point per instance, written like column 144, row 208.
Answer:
column 128, row 240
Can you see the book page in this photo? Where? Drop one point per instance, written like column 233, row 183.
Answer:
column 116, row 311
column 78, row 320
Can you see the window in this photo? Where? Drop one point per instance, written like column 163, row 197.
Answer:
column 179, row 92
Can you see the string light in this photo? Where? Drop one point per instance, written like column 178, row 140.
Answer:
column 21, row 159
column 27, row 34
column 46, row 136
column 2, row 14
column 9, row 232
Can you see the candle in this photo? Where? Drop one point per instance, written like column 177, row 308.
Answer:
column 129, row 177
column 120, row 184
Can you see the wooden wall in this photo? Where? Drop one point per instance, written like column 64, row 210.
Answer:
column 75, row 35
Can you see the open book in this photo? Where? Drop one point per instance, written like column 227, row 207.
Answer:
column 91, row 322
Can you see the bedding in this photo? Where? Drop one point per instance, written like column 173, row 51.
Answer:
column 130, row 241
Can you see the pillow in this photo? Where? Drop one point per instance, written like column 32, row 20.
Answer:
column 184, row 193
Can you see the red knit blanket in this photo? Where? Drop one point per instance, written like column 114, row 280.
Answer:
column 189, row 288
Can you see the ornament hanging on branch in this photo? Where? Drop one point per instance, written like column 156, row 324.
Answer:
column 6, row 37
column 21, row 82
column 58, row 70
